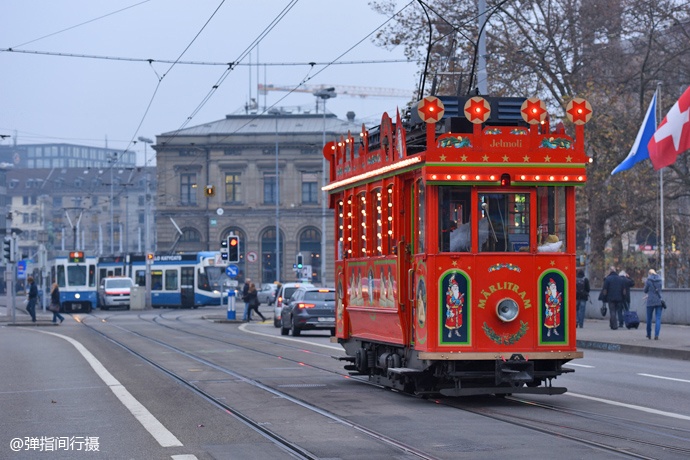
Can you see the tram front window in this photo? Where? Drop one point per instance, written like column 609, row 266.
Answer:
column 551, row 218
column 76, row 275
column 504, row 226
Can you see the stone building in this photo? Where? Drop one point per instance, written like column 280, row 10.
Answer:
column 220, row 178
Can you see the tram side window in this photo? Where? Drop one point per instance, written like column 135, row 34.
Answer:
column 378, row 224
column 61, row 276
column 454, row 219
column 551, row 218
column 388, row 224
column 156, row 280
column 140, row 278
column 92, row 275
column 504, row 226
column 341, row 223
column 362, row 227
column 421, row 217
column 202, row 281
column 171, row 280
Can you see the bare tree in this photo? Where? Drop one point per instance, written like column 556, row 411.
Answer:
column 611, row 53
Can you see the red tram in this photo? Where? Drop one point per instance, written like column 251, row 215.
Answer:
column 455, row 246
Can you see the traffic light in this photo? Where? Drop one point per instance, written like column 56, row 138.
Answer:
column 224, row 249
column 7, row 252
column 233, row 248
column 300, row 261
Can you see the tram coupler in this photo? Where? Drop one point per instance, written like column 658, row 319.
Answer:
column 514, row 370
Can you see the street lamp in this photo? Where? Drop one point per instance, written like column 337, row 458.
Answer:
column 147, row 195
column 276, row 113
column 324, row 94
column 112, row 159
column 147, row 200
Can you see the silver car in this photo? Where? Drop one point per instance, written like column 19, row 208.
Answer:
column 267, row 294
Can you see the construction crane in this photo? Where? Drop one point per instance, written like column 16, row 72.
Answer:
column 343, row 90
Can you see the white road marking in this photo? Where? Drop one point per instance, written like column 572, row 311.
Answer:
column 184, row 457
column 243, row 327
column 580, row 365
column 664, row 378
column 632, row 406
column 164, row 437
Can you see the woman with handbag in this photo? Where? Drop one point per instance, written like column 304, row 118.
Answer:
column 253, row 301
column 652, row 287
column 55, row 303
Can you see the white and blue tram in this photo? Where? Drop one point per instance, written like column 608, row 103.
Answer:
column 76, row 277
column 182, row 280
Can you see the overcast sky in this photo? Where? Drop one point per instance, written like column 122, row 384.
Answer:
column 112, row 94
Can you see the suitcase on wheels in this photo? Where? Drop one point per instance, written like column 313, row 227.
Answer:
column 631, row 319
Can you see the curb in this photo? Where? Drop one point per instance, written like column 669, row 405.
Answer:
column 635, row 350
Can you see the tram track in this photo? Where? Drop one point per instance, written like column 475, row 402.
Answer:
column 291, row 447
column 593, row 438
column 565, row 428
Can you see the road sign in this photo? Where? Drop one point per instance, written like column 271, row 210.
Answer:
column 232, row 270
column 21, row 270
column 251, row 256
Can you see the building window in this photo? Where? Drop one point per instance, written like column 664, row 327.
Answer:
column 232, row 151
column 190, row 235
column 233, row 189
column 310, row 190
column 188, row 189
column 270, row 189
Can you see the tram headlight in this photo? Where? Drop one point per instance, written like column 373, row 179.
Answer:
column 507, row 310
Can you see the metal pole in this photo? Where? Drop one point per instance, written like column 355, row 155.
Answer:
column 481, row 51
column 323, row 202
column 277, row 207
column 112, row 205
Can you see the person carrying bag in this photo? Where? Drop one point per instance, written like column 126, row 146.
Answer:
column 55, row 303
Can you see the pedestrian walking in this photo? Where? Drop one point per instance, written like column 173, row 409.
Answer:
column 33, row 298
column 582, row 296
column 652, row 287
column 253, row 301
column 629, row 282
column 247, row 316
column 614, row 293
column 55, row 303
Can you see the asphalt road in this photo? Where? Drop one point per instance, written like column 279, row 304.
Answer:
column 253, row 379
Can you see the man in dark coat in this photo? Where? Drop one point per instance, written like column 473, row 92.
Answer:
column 614, row 289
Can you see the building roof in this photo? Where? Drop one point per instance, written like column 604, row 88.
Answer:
column 262, row 124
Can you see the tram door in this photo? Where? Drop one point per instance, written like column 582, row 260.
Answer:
column 187, row 287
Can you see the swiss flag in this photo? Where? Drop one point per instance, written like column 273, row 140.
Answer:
column 672, row 137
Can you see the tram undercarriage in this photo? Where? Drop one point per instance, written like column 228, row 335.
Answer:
column 402, row 369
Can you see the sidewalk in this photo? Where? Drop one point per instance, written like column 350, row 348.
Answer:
column 673, row 343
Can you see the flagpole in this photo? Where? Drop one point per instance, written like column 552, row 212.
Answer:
column 662, row 251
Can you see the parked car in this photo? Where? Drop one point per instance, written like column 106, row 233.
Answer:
column 114, row 292
column 309, row 308
column 267, row 294
column 284, row 294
